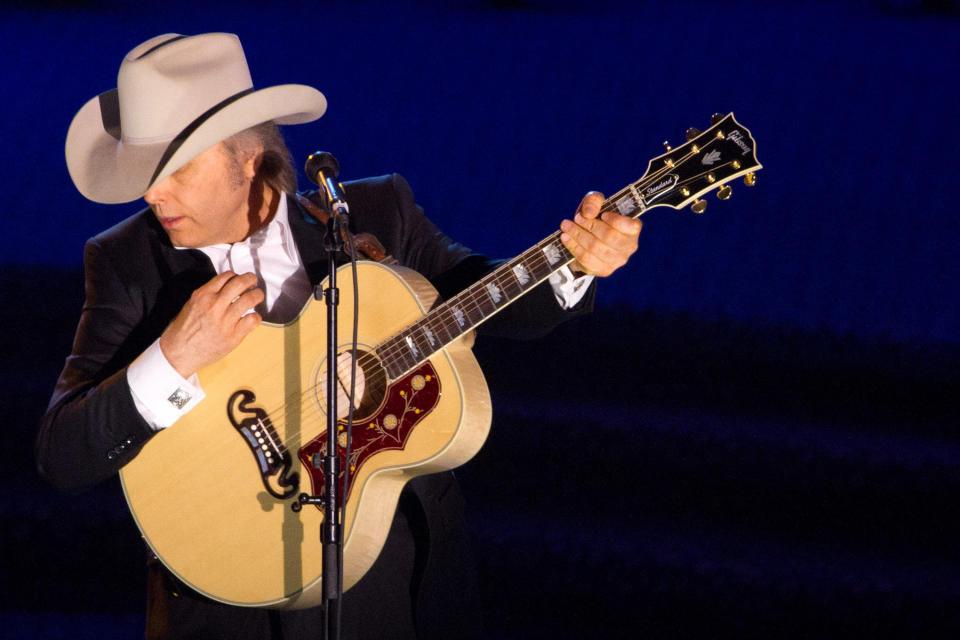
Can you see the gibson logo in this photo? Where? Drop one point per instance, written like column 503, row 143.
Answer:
column 654, row 191
column 737, row 138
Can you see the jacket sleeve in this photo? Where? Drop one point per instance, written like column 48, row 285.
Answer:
column 91, row 427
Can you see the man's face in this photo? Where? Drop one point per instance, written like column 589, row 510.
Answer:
column 205, row 202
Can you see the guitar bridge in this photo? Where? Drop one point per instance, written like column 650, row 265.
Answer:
column 273, row 458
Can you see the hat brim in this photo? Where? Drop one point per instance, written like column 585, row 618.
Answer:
column 106, row 170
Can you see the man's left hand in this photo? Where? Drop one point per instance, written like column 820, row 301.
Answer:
column 601, row 243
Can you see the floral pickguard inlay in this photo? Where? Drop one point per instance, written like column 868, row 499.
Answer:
column 409, row 400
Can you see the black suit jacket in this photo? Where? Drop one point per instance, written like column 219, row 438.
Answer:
column 136, row 282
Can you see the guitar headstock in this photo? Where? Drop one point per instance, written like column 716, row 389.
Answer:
column 707, row 161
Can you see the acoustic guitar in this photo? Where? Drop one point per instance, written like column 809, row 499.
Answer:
column 215, row 496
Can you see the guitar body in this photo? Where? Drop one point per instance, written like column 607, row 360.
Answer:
column 213, row 494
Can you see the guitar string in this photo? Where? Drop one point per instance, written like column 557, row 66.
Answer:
column 389, row 351
column 471, row 303
column 475, row 302
column 314, row 409
column 396, row 344
column 369, row 359
column 502, row 275
column 391, row 354
column 472, row 299
column 608, row 205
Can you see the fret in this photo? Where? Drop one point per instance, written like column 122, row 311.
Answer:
column 420, row 342
column 458, row 315
column 472, row 306
column 483, row 307
column 430, row 336
column 552, row 254
column 403, row 356
column 394, row 368
column 412, row 347
column 522, row 274
column 628, row 204
column 509, row 285
column 494, row 291
column 442, row 323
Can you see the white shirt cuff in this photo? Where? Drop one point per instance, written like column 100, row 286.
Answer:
column 160, row 394
column 568, row 289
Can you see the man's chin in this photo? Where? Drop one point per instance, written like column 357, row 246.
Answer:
column 181, row 240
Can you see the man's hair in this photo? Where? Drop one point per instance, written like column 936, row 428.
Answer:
column 276, row 164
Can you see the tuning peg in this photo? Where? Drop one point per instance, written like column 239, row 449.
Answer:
column 699, row 206
column 692, row 133
column 724, row 192
column 750, row 179
column 666, row 145
column 715, row 118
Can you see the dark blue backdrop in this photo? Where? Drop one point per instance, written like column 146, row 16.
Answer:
column 774, row 453
column 502, row 117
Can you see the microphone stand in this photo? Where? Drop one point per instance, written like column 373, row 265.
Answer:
column 322, row 168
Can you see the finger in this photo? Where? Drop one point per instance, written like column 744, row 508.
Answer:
column 589, row 262
column 595, row 253
column 246, row 301
column 590, row 205
column 594, row 256
column 236, row 287
column 246, row 324
column 217, row 282
column 615, row 237
column 598, row 236
column 627, row 226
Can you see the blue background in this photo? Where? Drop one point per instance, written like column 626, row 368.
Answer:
column 766, row 393
column 501, row 118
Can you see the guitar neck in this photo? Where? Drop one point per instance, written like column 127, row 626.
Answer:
column 474, row 305
column 708, row 160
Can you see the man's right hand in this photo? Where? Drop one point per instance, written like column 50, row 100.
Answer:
column 212, row 322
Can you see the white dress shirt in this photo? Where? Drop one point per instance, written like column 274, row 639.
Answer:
column 162, row 395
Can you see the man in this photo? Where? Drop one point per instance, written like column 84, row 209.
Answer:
column 223, row 246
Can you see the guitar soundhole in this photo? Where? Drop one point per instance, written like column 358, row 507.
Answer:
column 370, row 386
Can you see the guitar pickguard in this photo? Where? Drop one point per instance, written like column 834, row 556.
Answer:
column 273, row 458
column 408, row 401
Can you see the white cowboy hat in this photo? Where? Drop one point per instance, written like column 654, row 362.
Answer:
column 176, row 96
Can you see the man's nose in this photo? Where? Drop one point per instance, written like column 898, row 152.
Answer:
column 156, row 194
column 152, row 196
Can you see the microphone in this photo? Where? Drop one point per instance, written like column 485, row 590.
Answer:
column 322, row 169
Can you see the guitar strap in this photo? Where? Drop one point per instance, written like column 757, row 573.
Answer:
column 367, row 244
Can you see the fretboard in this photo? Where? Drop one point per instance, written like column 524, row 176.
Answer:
column 468, row 309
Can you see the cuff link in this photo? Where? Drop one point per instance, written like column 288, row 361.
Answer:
column 179, row 398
